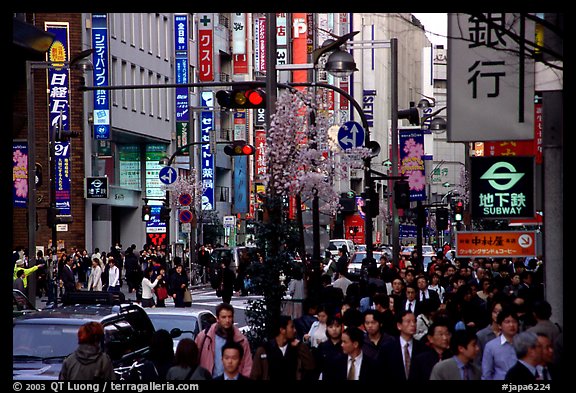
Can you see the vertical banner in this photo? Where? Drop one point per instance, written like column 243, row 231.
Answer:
column 101, row 76
column 238, row 33
column 20, row 174
column 260, row 154
column 299, row 45
column 241, row 185
column 261, row 44
column 206, row 157
column 182, row 77
column 412, row 163
column 239, row 54
column 206, row 48
column 59, row 110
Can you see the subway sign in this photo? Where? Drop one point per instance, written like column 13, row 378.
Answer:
column 502, row 187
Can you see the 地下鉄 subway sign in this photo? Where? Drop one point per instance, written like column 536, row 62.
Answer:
column 502, row 187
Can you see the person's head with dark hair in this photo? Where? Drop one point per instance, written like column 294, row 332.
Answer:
column 19, row 273
column 464, row 345
column 439, row 335
column 352, row 341
column 353, row 317
column 406, row 324
column 283, row 329
column 225, row 320
column 381, row 301
column 161, row 346
column 232, row 354
column 542, row 310
column 186, row 353
column 326, row 279
column 508, row 321
column 90, row 333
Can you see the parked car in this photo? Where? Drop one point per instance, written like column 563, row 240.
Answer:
column 21, row 305
column 41, row 340
column 190, row 322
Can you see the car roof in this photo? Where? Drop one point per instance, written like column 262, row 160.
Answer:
column 175, row 311
column 81, row 313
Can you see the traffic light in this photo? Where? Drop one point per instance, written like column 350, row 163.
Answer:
column 241, row 98
column 371, row 202
column 402, row 194
column 348, row 202
column 146, row 213
column 165, row 213
column 458, row 210
column 239, row 148
column 411, row 114
column 61, row 135
column 441, row 218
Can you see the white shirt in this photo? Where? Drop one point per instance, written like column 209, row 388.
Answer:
column 357, row 365
column 148, row 287
column 113, row 276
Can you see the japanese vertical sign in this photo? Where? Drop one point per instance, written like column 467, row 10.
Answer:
column 238, row 33
column 206, row 48
column 59, row 110
column 20, row 174
column 490, row 78
column 240, row 57
column 502, row 187
column 412, row 163
column 206, row 157
column 260, row 156
column 182, row 77
column 100, row 75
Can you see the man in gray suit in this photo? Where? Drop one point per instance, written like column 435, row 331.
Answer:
column 461, row 366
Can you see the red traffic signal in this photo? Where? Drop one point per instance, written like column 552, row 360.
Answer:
column 239, row 148
column 458, row 210
column 246, row 98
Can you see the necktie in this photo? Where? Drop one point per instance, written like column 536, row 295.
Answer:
column 545, row 375
column 466, row 372
column 423, row 296
column 352, row 371
column 410, row 306
column 406, row 360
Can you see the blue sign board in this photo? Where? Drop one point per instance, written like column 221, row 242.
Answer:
column 168, row 175
column 100, row 74
column 181, row 32
column 206, row 157
column 350, row 135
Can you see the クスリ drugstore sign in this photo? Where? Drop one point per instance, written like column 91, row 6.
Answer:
column 502, row 187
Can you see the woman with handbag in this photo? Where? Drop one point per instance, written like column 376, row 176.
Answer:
column 161, row 289
column 148, row 288
column 95, row 279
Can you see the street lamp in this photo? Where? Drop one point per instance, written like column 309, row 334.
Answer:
column 81, row 62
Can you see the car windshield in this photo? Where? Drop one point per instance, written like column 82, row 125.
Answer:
column 44, row 340
column 359, row 256
column 169, row 322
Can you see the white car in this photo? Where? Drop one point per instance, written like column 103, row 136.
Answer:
column 191, row 322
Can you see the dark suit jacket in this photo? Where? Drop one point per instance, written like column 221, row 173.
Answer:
column 392, row 362
column 519, row 373
column 68, row 279
column 337, row 369
column 401, row 305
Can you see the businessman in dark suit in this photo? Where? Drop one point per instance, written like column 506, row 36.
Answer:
column 68, row 280
column 529, row 353
column 409, row 301
column 232, row 353
column 355, row 366
column 396, row 354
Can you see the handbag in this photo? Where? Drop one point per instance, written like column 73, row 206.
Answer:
column 161, row 293
column 187, row 296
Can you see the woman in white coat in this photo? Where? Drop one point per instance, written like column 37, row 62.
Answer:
column 148, row 288
column 95, row 279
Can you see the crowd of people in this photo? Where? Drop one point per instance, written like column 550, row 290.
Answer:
column 455, row 319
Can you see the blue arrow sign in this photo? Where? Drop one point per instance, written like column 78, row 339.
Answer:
column 350, row 135
column 168, row 175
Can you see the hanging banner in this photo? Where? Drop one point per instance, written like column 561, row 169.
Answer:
column 101, row 76
column 206, row 48
column 238, row 33
column 206, row 156
column 20, row 174
column 59, row 111
column 412, row 162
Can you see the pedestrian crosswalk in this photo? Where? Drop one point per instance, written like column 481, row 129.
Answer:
column 207, row 297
